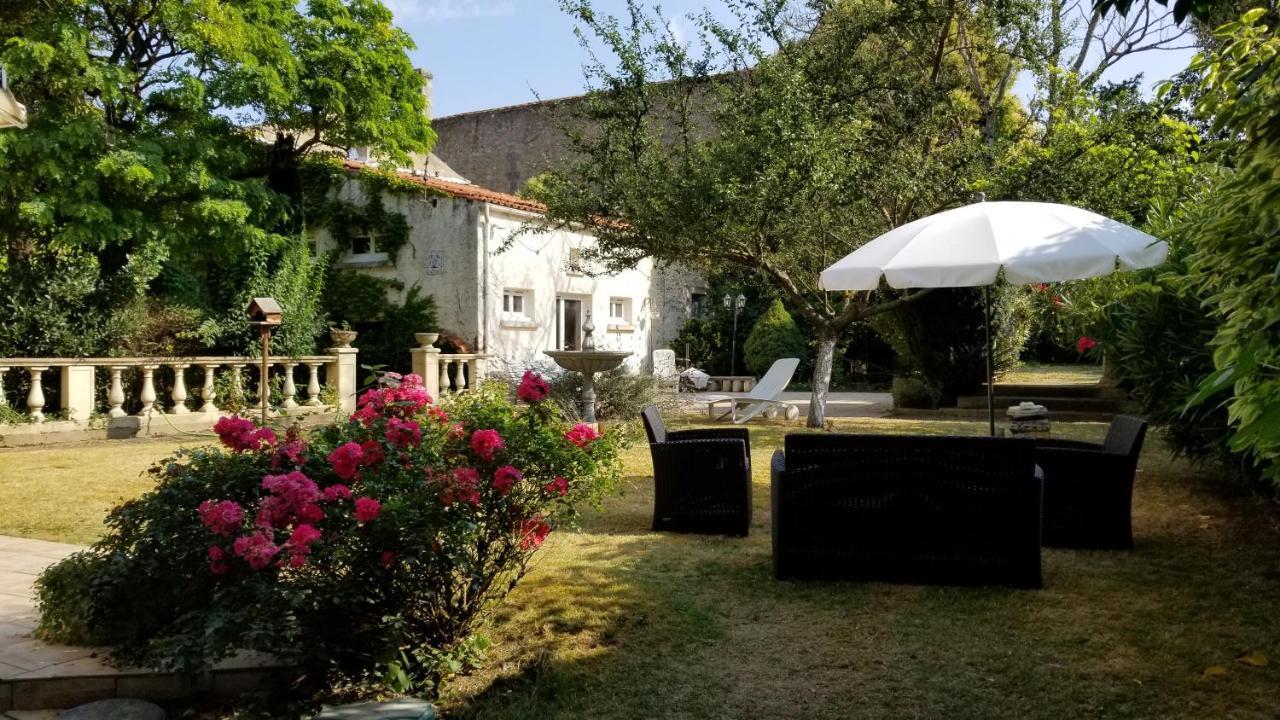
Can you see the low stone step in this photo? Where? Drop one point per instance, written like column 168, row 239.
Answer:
column 1068, row 391
column 1002, row 420
column 1054, row 404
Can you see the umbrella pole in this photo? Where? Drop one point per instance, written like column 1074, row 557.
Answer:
column 986, row 324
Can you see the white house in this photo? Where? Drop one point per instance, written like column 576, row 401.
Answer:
column 515, row 294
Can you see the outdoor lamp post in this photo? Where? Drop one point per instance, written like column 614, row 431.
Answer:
column 13, row 114
column 266, row 314
column 735, row 304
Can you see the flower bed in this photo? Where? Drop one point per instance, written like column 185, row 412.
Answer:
column 365, row 551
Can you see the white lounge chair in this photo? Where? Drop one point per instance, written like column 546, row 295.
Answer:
column 763, row 396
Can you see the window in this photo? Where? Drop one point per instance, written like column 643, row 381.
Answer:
column 362, row 245
column 620, row 314
column 573, row 265
column 514, row 304
column 697, row 303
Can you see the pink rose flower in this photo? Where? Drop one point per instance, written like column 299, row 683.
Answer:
column 367, row 509
column 486, row 443
column 223, row 518
column 463, row 486
column 345, row 460
column 242, row 435
column 371, row 453
column 403, row 433
column 559, row 486
column 257, row 549
column 505, row 478
column 582, row 435
column 532, row 532
column 336, row 492
column 218, row 560
column 532, row 388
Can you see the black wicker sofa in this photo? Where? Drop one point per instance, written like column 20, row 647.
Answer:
column 917, row 509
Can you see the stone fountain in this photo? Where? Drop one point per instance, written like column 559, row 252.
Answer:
column 588, row 361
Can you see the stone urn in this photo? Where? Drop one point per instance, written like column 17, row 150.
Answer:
column 342, row 338
column 427, row 339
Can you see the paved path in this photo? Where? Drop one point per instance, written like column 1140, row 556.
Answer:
column 839, row 404
column 22, row 657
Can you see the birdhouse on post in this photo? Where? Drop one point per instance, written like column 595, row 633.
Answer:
column 265, row 313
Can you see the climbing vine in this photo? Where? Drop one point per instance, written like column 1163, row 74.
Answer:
column 346, row 220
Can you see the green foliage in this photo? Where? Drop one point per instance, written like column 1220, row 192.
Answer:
column 383, row 598
column 386, row 327
column 1236, row 239
column 133, row 179
column 705, row 340
column 620, row 394
column 774, row 336
column 911, row 391
column 941, row 337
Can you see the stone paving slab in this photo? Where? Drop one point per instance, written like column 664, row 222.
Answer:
column 35, row 675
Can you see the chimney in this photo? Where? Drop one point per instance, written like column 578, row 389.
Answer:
column 427, row 77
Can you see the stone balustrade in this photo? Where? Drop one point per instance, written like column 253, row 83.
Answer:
column 447, row 373
column 79, row 398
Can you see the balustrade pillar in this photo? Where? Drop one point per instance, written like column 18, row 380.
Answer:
column 473, row 366
column 460, row 376
column 237, row 384
column 3, row 400
column 207, row 391
column 289, row 390
column 35, row 396
column 342, row 376
column 313, row 384
column 148, row 394
column 445, row 384
column 77, row 391
column 115, row 393
column 179, row 393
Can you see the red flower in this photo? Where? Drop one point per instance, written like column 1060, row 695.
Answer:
column 1057, row 301
column 532, row 532
column 223, row 518
column 367, row 509
column 435, row 412
column 372, row 453
column 337, row 492
column 345, row 460
column 403, row 433
column 456, row 432
column 505, row 478
column 463, row 486
column 559, row 486
column 218, row 560
column 582, row 435
column 532, row 388
column 299, row 544
column 241, row 435
column 485, row 443
column 257, row 549
column 1085, row 344
column 387, row 558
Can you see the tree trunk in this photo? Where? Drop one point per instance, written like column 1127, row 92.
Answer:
column 821, row 380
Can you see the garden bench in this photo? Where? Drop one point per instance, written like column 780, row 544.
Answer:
column 948, row 510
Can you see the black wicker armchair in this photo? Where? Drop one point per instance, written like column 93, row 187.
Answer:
column 947, row 510
column 1088, row 488
column 701, row 478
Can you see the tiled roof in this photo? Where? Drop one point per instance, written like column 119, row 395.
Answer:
column 464, row 191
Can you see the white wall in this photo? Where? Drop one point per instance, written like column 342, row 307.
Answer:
column 453, row 233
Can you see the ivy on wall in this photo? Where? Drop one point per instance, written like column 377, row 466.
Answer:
column 347, row 220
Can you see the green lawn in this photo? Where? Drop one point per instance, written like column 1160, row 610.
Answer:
column 617, row 622
column 1052, row 375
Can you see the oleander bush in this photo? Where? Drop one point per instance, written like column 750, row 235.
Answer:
column 366, row 551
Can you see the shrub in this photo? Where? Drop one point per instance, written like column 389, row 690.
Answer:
column 914, row 392
column 941, row 337
column 366, row 551
column 620, row 394
column 774, row 336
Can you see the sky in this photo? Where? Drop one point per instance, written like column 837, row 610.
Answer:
column 493, row 53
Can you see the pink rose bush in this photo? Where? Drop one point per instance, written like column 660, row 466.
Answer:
column 394, row 527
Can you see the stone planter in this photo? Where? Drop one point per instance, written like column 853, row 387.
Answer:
column 342, row 338
column 427, row 339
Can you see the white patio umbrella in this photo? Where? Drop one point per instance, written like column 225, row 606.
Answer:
column 968, row 246
column 12, row 112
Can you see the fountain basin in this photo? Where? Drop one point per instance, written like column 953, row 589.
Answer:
column 587, row 361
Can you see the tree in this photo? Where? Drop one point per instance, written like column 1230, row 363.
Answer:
column 841, row 129
column 145, row 156
column 774, row 336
